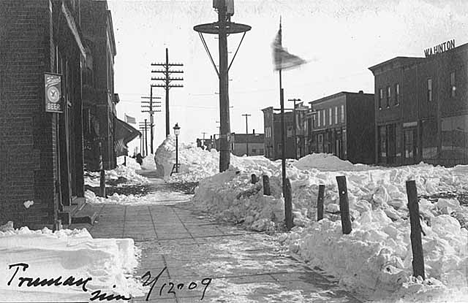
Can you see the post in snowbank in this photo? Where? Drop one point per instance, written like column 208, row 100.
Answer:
column 320, row 202
column 288, row 204
column 253, row 179
column 344, row 205
column 416, row 242
column 266, row 185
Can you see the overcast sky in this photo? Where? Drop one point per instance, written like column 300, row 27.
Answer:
column 341, row 39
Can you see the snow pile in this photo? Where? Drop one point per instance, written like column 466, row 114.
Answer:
column 148, row 163
column 194, row 163
column 327, row 162
column 106, row 265
column 375, row 258
column 121, row 172
column 197, row 164
column 159, row 197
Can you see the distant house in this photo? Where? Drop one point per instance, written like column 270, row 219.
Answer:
column 273, row 139
column 421, row 108
column 343, row 124
column 248, row 144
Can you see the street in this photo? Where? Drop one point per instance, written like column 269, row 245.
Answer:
column 188, row 257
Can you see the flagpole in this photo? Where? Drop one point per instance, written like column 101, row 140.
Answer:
column 287, row 202
column 283, row 137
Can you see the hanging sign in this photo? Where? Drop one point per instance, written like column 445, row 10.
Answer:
column 53, row 93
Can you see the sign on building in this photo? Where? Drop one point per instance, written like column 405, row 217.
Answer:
column 53, row 93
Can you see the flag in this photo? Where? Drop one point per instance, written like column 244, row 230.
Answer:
column 130, row 119
column 282, row 59
column 120, row 148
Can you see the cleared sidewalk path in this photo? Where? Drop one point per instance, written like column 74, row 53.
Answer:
column 198, row 260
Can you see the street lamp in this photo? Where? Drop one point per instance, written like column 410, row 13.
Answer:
column 177, row 133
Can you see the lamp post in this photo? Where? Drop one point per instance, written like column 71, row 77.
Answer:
column 176, row 133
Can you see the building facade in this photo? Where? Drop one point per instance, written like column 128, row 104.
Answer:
column 343, row 125
column 41, row 125
column 421, row 109
column 272, row 134
column 99, row 98
column 248, row 144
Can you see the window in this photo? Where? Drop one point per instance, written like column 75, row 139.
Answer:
column 453, row 88
column 319, row 117
column 389, row 95
column 336, row 115
column 397, row 94
column 380, row 98
column 254, row 150
column 330, row 116
column 342, row 113
column 261, row 151
column 323, row 117
column 429, row 89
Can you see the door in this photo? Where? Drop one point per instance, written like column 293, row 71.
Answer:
column 411, row 145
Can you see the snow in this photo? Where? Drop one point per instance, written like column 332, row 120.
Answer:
column 375, row 259
column 108, row 262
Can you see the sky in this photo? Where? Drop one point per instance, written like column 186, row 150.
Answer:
column 340, row 39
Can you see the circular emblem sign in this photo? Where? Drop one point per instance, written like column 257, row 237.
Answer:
column 53, row 94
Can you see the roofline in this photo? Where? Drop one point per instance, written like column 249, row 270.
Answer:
column 399, row 58
column 342, row 93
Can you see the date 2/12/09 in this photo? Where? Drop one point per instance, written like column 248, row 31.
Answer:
column 171, row 287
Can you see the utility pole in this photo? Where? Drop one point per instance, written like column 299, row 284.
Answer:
column 167, row 79
column 294, row 126
column 144, row 129
column 149, row 108
column 222, row 28
column 247, row 132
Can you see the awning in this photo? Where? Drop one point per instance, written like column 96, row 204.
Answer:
column 123, row 133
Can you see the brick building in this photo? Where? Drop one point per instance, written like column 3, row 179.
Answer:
column 272, row 133
column 99, row 99
column 343, row 125
column 421, row 108
column 41, row 152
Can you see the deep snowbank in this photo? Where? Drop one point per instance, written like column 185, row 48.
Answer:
column 375, row 259
column 107, row 263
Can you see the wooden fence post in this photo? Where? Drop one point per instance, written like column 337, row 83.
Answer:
column 288, row 204
column 344, row 205
column 416, row 242
column 254, row 179
column 320, row 202
column 266, row 185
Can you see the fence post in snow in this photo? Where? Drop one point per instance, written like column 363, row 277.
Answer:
column 344, row 205
column 320, row 202
column 288, row 205
column 266, row 185
column 254, row 179
column 416, row 242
